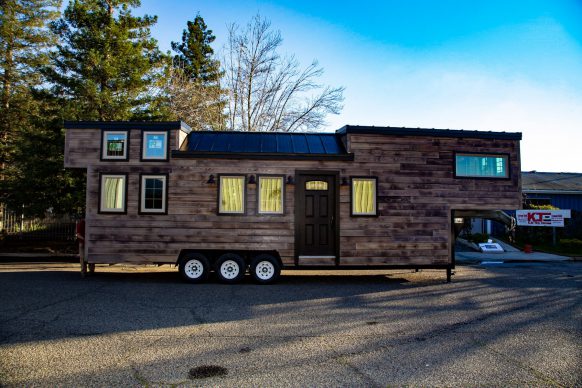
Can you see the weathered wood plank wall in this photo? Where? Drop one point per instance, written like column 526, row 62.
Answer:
column 416, row 193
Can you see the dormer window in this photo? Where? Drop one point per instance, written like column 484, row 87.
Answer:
column 154, row 145
column 114, row 145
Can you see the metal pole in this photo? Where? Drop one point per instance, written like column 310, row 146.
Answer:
column 554, row 242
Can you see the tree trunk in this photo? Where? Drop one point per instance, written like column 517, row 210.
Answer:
column 5, row 120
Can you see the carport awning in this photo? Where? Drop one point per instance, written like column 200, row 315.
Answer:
column 495, row 215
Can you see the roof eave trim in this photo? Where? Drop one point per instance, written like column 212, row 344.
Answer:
column 259, row 156
column 533, row 191
column 127, row 125
column 452, row 133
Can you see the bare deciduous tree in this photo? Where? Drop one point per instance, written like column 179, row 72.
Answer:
column 199, row 104
column 268, row 92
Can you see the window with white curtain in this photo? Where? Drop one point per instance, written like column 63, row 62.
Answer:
column 364, row 196
column 113, row 187
column 270, row 192
column 231, row 191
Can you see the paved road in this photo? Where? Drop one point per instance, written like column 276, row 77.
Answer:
column 512, row 324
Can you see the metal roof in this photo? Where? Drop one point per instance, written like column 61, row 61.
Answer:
column 263, row 145
column 432, row 132
column 551, row 182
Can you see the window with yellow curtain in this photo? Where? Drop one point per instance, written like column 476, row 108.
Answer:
column 270, row 195
column 364, row 197
column 231, row 194
column 113, row 193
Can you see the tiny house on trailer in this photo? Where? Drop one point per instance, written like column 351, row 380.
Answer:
column 362, row 197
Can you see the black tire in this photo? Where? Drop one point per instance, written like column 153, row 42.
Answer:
column 265, row 269
column 230, row 268
column 194, row 268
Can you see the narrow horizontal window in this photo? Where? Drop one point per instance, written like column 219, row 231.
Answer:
column 155, row 145
column 231, row 194
column 113, row 193
column 481, row 166
column 153, row 194
column 315, row 185
column 271, row 195
column 364, row 197
column 114, row 145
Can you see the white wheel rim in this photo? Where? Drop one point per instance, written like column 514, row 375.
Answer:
column 229, row 269
column 265, row 270
column 193, row 269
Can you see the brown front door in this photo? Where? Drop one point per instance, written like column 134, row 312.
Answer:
column 316, row 219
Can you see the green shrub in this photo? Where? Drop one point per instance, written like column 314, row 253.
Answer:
column 572, row 245
column 540, row 207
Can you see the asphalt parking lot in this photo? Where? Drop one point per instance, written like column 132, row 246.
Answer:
column 499, row 325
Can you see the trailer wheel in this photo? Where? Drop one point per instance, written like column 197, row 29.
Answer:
column 194, row 267
column 265, row 269
column 230, row 268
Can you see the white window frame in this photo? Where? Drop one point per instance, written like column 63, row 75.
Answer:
column 244, row 195
column 104, row 155
column 282, row 178
column 142, row 208
column 144, row 145
column 102, row 208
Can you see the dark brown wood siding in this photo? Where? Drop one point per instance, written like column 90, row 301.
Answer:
column 416, row 193
column 83, row 147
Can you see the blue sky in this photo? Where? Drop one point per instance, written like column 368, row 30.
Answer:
column 480, row 65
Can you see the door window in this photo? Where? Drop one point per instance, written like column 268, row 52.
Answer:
column 315, row 185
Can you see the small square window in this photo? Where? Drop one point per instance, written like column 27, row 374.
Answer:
column 113, row 189
column 114, row 145
column 155, row 145
column 153, row 194
column 364, row 197
column 231, row 198
column 270, row 195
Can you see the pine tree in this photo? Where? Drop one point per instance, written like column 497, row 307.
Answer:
column 24, row 38
column 193, row 85
column 36, row 179
column 107, row 63
column 195, row 53
column 24, row 42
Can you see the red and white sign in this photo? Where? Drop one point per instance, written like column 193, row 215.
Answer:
column 541, row 217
